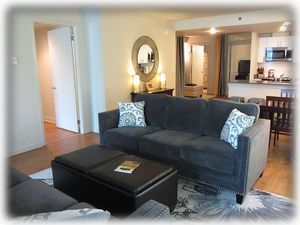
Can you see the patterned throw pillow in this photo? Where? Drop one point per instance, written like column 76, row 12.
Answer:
column 83, row 215
column 131, row 114
column 235, row 124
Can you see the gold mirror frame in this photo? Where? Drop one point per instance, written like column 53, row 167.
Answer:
column 134, row 57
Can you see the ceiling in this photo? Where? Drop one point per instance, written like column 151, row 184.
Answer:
column 260, row 28
column 183, row 13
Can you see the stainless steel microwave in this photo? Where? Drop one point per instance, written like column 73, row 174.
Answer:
column 278, row 54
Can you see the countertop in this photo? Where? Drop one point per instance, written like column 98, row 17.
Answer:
column 265, row 82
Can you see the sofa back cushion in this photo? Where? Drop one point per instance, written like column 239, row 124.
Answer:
column 154, row 107
column 218, row 112
column 185, row 114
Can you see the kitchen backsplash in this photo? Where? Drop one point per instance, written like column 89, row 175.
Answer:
column 286, row 68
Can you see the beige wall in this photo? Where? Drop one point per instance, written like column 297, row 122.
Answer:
column 213, row 64
column 120, row 30
column 45, row 74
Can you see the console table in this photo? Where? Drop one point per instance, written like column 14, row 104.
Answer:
column 167, row 91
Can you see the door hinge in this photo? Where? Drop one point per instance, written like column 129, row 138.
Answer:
column 78, row 125
column 72, row 34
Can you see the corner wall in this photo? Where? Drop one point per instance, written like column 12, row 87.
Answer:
column 25, row 122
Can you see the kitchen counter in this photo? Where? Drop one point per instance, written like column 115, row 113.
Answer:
column 265, row 82
column 257, row 89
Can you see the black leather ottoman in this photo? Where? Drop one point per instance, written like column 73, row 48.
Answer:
column 88, row 175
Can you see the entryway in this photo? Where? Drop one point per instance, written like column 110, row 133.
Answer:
column 57, row 77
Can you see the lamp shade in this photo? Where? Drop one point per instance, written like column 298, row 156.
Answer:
column 163, row 79
column 136, row 83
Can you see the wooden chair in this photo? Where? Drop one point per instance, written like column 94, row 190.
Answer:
column 289, row 93
column 280, row 112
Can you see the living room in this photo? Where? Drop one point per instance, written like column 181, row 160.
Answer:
column 103, row 44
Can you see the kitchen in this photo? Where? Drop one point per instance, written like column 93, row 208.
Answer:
column 272, row 67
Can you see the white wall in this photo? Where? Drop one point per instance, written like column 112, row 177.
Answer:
column 45, row 74
column 25, row 117
column 120, row 30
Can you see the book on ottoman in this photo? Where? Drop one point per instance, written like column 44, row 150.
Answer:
column 127, row 166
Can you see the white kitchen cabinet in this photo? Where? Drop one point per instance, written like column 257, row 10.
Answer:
column 272, row 42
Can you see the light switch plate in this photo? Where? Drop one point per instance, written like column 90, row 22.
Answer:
column 14, row 60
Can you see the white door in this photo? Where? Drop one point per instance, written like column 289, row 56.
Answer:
column 62, row 63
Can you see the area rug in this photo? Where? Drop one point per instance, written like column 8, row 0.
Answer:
column 198, row 202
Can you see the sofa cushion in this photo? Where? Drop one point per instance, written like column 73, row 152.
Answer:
column 209, row 152
column 165, row 143
column 154, row 107
column 15, row 177
column 32, row 196
column 131, row 114
column 126, row 137
column 218, row 111
column 185, row 114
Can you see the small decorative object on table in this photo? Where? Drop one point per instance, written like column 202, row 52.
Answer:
column 127, row 166
column 149, row 86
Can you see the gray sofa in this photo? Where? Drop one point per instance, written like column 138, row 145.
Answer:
column 185, row 133
column 26, row 196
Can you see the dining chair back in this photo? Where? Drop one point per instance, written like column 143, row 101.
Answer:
column 281, row 113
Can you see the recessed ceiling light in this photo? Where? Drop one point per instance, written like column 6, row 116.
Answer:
column 212, row 30
column 282, row 28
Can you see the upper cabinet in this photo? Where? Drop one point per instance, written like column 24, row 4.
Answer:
column 266, row 42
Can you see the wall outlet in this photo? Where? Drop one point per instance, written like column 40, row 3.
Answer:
column 14, row 60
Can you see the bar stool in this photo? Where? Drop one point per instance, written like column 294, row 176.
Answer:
column 263, row 113
column 259, row 101
column 236, row 99
column 289, row 93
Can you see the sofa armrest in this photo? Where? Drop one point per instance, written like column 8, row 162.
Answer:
column 107, row 120
column 252, row 154
column 151, row 211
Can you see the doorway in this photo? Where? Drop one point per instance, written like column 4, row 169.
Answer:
column 57, row 78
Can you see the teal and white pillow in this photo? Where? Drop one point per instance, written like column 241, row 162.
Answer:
column 131, row 114
column 83, row 215
column 236, row 123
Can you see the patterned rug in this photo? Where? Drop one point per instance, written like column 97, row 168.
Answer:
column 201, row 202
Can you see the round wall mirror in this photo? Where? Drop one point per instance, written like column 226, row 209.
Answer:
column 145, row 58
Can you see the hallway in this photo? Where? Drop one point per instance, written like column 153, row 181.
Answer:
column 53, row 133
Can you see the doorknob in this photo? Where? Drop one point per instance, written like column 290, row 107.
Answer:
column 54, row 88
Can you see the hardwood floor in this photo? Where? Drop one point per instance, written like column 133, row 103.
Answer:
column 52, row 133
column 39, row 159
column 277, row 177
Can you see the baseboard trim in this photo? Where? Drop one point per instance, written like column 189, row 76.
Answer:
column 49, row 119
column 25, row 148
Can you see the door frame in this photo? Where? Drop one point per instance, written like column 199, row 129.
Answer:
column 77, row 75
